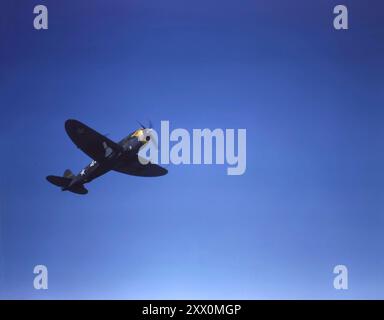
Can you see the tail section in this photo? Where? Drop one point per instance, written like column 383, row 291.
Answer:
column 65, row 183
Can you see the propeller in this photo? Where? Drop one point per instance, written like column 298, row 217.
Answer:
column 141, row 125
column 150, row 126
column 149, row 133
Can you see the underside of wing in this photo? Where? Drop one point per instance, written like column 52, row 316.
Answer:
column 92, row 143
column 135, row 168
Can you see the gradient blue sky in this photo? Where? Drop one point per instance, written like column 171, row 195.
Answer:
column 311, row 99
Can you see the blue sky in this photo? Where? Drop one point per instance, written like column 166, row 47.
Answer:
column 311, row 99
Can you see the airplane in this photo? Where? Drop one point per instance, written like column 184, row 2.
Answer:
column 106, row 155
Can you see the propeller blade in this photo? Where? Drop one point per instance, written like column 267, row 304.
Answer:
column 141, row 125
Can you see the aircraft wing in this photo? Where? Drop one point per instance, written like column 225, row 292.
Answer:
column 92, row 143
column 135, row 168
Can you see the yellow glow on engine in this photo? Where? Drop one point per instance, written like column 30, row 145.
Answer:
column 138, row 133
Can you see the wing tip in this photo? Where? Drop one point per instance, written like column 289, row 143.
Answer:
column 70, row 123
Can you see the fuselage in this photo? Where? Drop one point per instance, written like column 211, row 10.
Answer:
column 130, row 147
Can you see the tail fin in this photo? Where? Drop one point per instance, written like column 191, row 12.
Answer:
column 68, row 174
column 63, row 181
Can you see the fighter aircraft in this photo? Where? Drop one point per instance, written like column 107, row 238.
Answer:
column 106, row 155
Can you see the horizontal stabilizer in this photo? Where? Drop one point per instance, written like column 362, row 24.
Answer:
column 78, row 189
column 64, row 183
column 59, row 181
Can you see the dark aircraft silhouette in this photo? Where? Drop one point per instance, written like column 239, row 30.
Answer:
column 106, row 156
